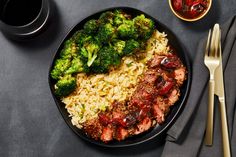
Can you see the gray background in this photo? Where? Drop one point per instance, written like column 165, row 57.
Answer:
column 30, row 123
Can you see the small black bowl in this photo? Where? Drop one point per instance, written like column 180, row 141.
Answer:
column 159, row 130
column 29, row 29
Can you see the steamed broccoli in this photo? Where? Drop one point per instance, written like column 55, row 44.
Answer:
column 127, row 30
column 65, row 85
column 119, row 17
column 89, row 51
column 106, row 17
column 91, row 26
column 60, row 66
column 97, row 66
column 130, row 46
column 105, row 33
column 81, row 37
column 92, row 50
column 119, row 46
column 143, row 44
column 77, row 65
column 107, row 57
column 84, row 54
column 69, row 50
column 145, row 26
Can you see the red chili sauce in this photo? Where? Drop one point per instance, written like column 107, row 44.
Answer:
column 190, row 9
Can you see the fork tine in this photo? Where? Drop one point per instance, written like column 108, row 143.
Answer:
column 217, row 40
column 213, row 42
column 219, row 50
column 218, row 43
column 208, row 43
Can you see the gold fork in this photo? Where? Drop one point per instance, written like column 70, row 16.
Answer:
column 212, row 61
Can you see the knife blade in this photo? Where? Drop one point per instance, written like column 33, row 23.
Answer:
column 219, row 80
column 220, row 92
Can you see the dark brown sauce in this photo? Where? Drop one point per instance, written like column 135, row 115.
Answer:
column 190, row 9
column 20, row 12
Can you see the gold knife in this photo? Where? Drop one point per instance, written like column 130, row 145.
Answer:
column 219, row 91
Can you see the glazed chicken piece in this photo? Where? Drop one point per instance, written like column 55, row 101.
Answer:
column 162, row 104
column 173, row 96
column 143, row 95
column 121, row 133
column 155, row 61
column 158, row 114
column 93, row 128
column 180, row 75
column 107, row 134
column 171, row 62
column 150, row 76
column 143, row 126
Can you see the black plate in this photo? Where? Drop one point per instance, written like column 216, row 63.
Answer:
column 158, row 130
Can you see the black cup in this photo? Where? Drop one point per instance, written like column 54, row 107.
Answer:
column 23, row 19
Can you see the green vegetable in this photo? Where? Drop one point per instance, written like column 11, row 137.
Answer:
column 129, row 64
column 106, row 17
column 103, row 107
column 69, row 50
column 145, row 26
column 81, row 38
column 91, row 26
column 105, row 33
column 60, row 66
column 119, row 17
column 65, row 85
column 127, row 30
column 119, row 46
column 90, row 51
column 107, row 57
column 76, row 66
column 131, row 46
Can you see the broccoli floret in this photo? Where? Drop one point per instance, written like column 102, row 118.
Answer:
column 119, row 46
column 76, row 66
column 119, row 17
column 127, row 30
column 69, row 50
column 107, row 57
column 106, row 17
column 91, row 26
column 65, row 85
column 89, row 51
column 105, row 33
column 145, row 26
column 81, row 38
column 77, row 35
column 60, row 66
column 131, row 46
column 143, row 44
column 97, row 67
column 84, row 53
column 92, row 50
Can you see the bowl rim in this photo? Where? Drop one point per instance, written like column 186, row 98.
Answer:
column 177, row 109
column 187, row 19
